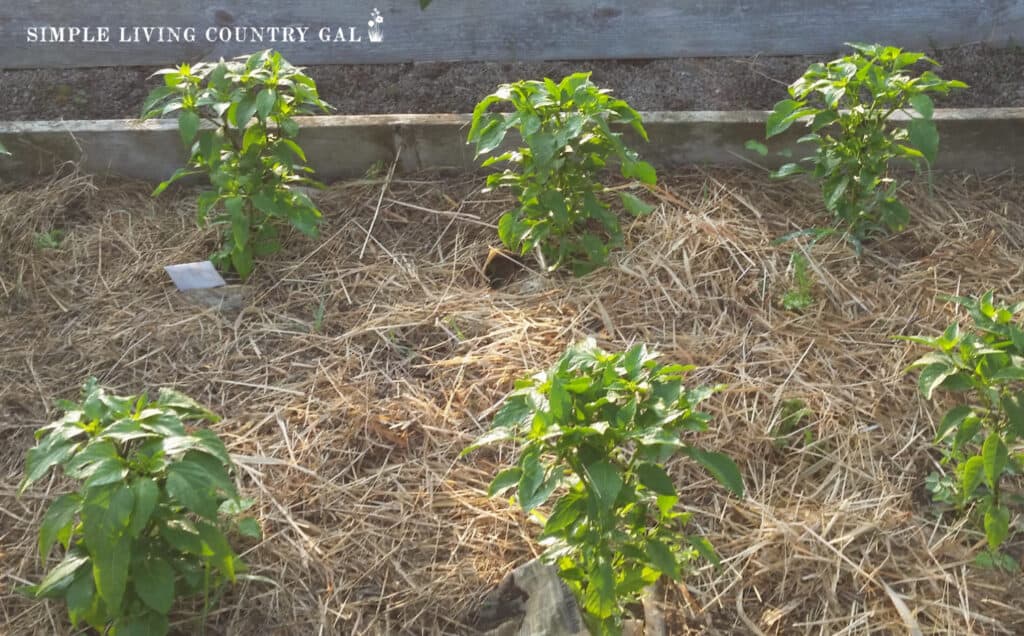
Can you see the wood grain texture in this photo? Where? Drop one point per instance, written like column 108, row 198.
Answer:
column 499, row 30
column 982, row 140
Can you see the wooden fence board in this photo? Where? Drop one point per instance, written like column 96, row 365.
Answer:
column 484, row 30
column 980, row 140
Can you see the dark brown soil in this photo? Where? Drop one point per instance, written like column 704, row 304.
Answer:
column 994, row 75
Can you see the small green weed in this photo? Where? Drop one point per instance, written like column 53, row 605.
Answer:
column 799, row 296
column 49, row 240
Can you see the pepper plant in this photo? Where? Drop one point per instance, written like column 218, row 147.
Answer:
column 562, row 210
column 248, row 149
column 601, row 427
column 147, row 523
column 850, row 103
column 980, row 436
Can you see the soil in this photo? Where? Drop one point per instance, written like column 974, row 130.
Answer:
column 670, row 84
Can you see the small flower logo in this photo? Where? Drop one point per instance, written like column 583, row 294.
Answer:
column 376, row 26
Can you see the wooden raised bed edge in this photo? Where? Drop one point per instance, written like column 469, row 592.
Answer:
column 982, row 140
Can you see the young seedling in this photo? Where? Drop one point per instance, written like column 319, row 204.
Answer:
column 147, row 523
column 50, row 240
column 600, row 426
column 849, row 104
column 248, row 150
column 562, row 212
column 981, row 436
column 799, row 296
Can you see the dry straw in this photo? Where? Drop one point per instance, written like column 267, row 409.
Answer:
column 348, row 428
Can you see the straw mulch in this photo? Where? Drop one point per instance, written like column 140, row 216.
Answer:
column 348, row 429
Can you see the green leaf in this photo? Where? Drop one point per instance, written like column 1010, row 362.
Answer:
column 184, row 405
column 86, row 461
column 565, row 513
column 951, row 420
column 40, row 459
column 182, row 536
column 153, row 581
column 994, row 454
column 932, row 376
column 188, row 483
column 787, row 170
column 494, row 435
column 654, row 478
column 663, row 559
column 605, row 483
column 784, row 114
column 148, row 624
column 973, row 472
column 705, row 549
column 240, row 114
column 60, row 575
column 634, row 205
column 504, row 480
column 925, row 137
column 641, row 171
column 146, row 494
column 107, row 471
column 110, row 571
column 721, row 467
column 599, row 600
column 241, row 260
column 249, row 527
column 188, row 126
column 507, row 230
column 180, row 173
column 57, row 522
column 81, row 597
column 265, row 102
column 997, row 526
column 756, row 146
column 215, row 543
column 542, row 492
column 923, row 105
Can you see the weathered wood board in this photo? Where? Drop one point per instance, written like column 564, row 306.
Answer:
column 979, row 140
column 59, row 33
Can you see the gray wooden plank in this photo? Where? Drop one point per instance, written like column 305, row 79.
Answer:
column 488, row 30
column 982, row 140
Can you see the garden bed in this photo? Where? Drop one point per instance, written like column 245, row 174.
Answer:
column 349, row 384
column 728, row 84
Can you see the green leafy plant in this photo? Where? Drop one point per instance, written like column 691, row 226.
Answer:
column 248, row 149
column 602, row 425
column 561, row 212
column 980, row 437
column 50, row 240
column 850, row 103
column 799, row 296
column 147, row 525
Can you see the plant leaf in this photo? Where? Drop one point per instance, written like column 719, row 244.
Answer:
column 153, row 581
column 994, row 453
column 605, row 483
column 720, row 466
